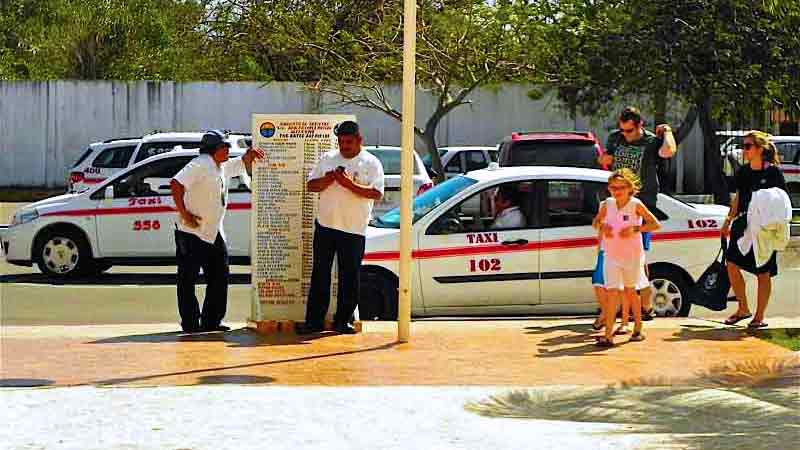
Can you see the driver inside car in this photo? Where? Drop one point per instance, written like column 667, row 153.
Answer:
column 506, row 207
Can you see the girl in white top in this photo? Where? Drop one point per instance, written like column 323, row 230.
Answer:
column 622, row 218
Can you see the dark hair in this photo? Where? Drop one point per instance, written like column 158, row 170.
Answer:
column 346, row 128
column 510, row 193
column 630, row 113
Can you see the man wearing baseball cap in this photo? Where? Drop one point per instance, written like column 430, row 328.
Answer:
column 348, row 181
column 200, row 191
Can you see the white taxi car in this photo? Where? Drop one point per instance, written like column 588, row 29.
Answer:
column 463, row 266
column 126, row 220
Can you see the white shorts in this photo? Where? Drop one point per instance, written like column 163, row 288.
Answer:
column 619, row 276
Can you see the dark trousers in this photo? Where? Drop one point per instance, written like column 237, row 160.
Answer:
column 194, row 253
column 349, row 251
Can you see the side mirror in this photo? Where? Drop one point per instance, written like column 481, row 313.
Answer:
column 432, row 173
column 109, row 192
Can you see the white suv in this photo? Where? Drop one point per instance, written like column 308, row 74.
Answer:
column 104, row 159
column 100, row 161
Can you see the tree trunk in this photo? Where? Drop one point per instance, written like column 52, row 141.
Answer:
column 429, row 139
column 712, row 162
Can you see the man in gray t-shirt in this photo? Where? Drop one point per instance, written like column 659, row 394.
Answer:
column 633, row 147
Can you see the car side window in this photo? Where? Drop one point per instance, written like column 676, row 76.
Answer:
column 149, row 149
column 114, row 158
column 454, row 165
column 149, row 180
column 480, row 212
column 572, row 203
column 476, row 161
column 236, row 185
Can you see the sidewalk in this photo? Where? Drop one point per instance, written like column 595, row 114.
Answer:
column 515, row 352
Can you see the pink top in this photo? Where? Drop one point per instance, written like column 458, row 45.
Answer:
column 623, row 250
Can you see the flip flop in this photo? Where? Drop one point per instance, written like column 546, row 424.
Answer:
column 637, row 337
column 603, row 342
column 734, row 319
column 755, row 325
column 597, row 327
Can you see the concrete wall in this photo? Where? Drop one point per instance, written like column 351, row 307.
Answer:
column 45, row 126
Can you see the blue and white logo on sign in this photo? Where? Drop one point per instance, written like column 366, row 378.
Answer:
column 267, row 129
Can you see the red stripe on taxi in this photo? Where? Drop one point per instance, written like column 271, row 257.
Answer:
column 560, row 244
column 130, row 210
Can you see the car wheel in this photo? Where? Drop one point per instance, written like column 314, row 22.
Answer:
column 377, row 297
column 670, row 297
column 63, row 253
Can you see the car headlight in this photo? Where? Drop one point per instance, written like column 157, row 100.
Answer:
column 24, row 216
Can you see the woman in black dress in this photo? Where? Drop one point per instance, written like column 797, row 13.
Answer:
column 762, row 172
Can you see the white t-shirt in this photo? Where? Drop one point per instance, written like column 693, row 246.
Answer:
column 206, row 194
column 339, row 208
column 509, row 218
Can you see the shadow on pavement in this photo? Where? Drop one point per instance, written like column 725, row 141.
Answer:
column 118, row 381
column 708, row 333
column 24, row 382
column 748, row 405
column 240, row 338
column 113, row 279
column 234, row 379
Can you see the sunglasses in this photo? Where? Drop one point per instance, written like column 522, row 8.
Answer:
column 628, row 130
column 748, row 146
column 617, row 188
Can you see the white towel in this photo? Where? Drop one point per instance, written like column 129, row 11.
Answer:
column 768, row 208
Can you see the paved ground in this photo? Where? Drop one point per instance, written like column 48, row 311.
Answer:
column 455, row 353
column 236, row 417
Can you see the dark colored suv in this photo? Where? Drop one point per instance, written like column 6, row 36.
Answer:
column 551, row 148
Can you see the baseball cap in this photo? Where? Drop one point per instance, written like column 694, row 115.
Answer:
column 346, row 128
column 213, row 139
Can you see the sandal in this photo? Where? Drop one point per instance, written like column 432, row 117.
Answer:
column 734, row 319
column 603, row 342
column 621, row 331
column 756, row 325
column 598, row 325
column 637, row 337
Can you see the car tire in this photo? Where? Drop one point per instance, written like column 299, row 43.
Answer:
column 63, row 254
column 377, row 297
column 670, row 292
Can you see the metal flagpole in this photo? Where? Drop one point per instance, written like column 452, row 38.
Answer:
column 407, row 167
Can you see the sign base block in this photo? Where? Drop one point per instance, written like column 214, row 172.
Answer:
column 287, row 326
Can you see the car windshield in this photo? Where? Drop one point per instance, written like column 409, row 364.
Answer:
column 390, row 160
column 544, row 153
column 426, row 202
column 427, row 158
column 83, row 157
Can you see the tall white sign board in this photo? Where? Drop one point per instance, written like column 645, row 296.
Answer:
column 283, row 212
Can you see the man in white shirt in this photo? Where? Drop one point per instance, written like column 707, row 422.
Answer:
column 200, row 191
column 349, row 181
column 506, row 207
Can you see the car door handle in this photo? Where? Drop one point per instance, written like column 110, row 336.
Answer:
column 517, row 242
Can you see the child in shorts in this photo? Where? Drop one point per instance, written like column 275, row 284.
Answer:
column 622, row 218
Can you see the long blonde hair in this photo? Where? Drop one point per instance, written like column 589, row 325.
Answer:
column 764, row 142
